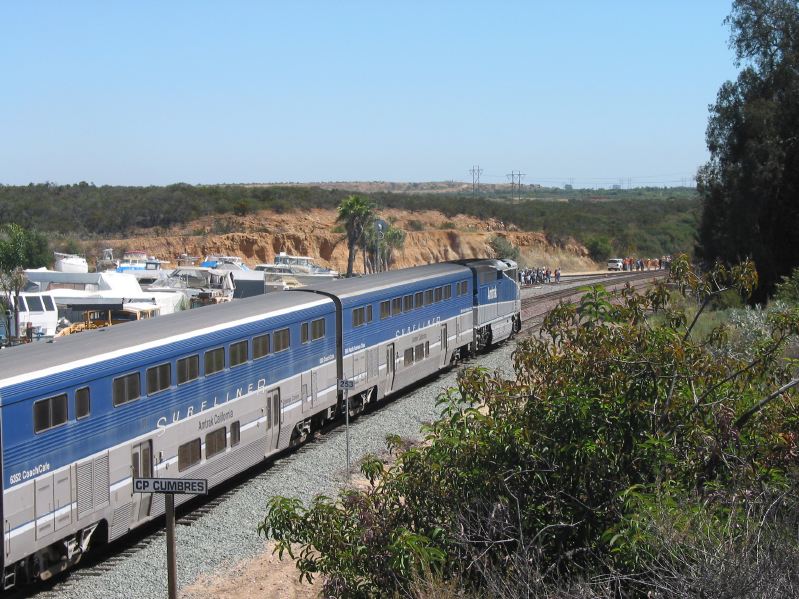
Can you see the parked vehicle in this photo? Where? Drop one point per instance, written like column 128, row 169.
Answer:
column 615, row 264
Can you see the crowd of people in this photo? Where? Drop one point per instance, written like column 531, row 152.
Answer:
column 536, row 276
column 543, row 274
column 637, row 264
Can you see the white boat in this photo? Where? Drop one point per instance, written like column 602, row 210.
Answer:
column 70, row 263
column 137, row 260
column 299, row 268
column 74, row 293
column 202, row 286
column 146, row 269
column 248, row 282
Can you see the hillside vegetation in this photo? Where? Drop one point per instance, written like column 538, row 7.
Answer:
column 647, row 222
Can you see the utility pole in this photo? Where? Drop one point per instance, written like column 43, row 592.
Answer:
column 476, row 171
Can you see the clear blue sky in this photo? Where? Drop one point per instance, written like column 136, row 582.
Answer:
column 209, row 92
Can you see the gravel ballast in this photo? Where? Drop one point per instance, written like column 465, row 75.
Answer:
column 227, row 534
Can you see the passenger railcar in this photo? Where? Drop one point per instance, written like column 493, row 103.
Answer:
column 210, row 392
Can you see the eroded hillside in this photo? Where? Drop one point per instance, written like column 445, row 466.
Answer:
column 431, row 237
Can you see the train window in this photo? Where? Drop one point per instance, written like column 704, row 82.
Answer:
column 260, row 346
column 189, row 454
column 235, row 433
column 408, row 356
column 49, row 413
column 83, row 403
column 126, row 388
column 447, row 291
column 428, row 297
column 317, row 329
column 426, row 349
column 385, row 309
column 463, row 288
column 214, row 360
column 407, row 303
column 159, row 378
column 418, row 300
column 438, row 293
column 358, row 317
column 369, row 313
column 188, row 369
column 282, row 339
column 420, row 352
column 396, row 306
column 215, row 442
column 238, row 353
column 305, row 336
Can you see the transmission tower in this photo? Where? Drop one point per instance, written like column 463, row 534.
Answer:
column 516, row 180
column 476, row 171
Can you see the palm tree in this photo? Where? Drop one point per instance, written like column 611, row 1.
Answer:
column 357, row 213
column 393, row 239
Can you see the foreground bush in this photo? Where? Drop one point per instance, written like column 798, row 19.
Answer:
column 622, row 457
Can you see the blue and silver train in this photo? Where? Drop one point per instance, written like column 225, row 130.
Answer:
column 208, row 393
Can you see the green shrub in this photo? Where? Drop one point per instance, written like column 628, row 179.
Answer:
column 787, row 289
column 599, row 248
column 612, row 426
column 504, row 248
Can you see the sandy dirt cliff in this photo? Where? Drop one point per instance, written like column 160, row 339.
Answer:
column 431, row 237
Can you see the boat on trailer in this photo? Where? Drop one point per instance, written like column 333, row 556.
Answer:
column 69, row 263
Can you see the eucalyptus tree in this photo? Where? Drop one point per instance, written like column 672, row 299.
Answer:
column 750, row 185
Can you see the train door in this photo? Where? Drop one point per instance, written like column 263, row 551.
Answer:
column 45, row 515
column 306, row 391
column 390, row 365
column 444, row 344
column 314, row 387
column 272, row 419
column 62, row 496
column 372, row 364
column 141, row 461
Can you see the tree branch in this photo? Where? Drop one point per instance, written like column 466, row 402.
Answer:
column 744, row 418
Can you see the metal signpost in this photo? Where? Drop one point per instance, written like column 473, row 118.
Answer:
column 346, row 385
column 170, row 487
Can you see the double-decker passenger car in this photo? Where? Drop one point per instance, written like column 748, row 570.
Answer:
column 210, row 392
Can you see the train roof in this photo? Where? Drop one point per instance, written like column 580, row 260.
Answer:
column 40, row 355
column 355, row 286
column 488, row 264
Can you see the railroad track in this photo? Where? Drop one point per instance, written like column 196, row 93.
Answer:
column 103, row 561
column 536, row 307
